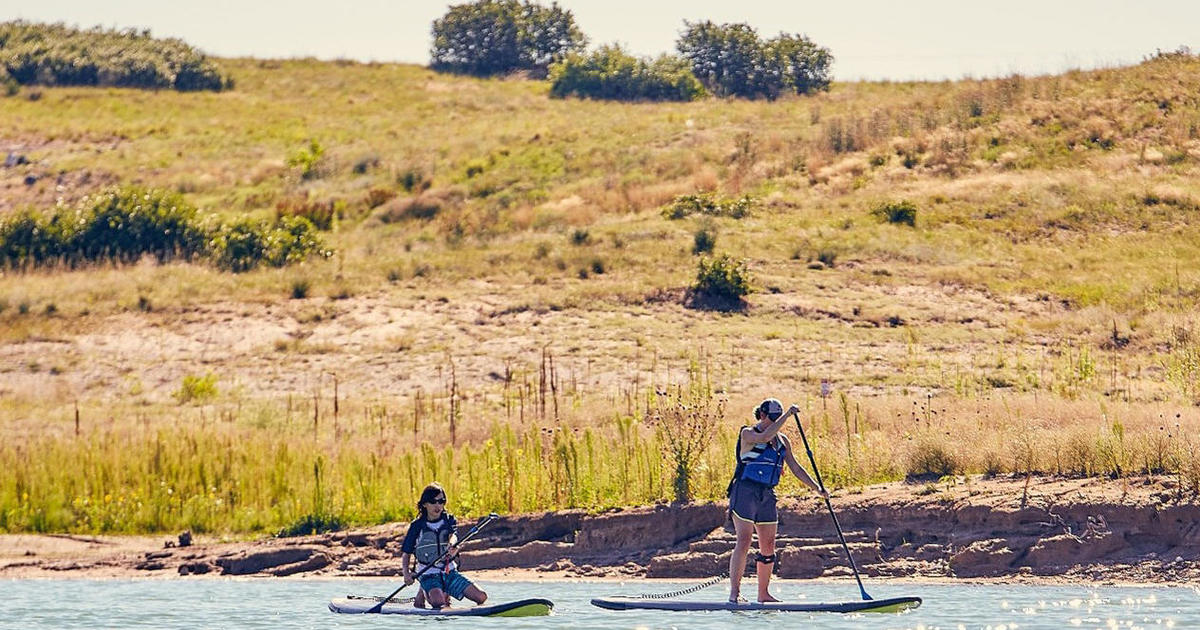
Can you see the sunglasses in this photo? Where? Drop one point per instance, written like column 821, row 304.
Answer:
column 441, row 501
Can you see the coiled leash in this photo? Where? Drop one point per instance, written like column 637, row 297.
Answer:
column 683, row 591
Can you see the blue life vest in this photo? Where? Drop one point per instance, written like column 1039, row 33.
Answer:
column 763, row 464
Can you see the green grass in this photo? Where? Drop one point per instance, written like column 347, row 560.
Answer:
column 478, row 224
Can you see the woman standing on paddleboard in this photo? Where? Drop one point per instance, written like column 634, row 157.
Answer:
column 762, row 452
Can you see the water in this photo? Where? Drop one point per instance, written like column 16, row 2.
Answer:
column 301, row 603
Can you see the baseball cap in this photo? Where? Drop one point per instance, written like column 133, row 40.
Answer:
column 772, row 407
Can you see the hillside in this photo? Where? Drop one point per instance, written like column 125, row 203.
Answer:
column 503, row 267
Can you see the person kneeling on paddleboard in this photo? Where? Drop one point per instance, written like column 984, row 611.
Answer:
column 762, row 452
column 430, row 537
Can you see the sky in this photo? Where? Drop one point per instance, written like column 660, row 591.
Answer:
column 870, row 39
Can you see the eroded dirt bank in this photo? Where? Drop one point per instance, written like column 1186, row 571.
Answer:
column 1133, row 530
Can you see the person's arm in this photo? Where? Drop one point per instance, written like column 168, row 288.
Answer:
column 453, row 540
column 750, row 436
column 405, row 560
column 799, row 471
column 407, row 549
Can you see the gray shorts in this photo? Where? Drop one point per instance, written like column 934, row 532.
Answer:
column 753, row 502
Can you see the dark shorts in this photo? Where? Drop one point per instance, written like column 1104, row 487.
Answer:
column 453, row 583
column 753, row 502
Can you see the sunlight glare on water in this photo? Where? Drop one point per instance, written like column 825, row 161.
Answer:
column 301, row 603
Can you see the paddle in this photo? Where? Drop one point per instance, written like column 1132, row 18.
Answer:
column 416, row 579
column 829, row 505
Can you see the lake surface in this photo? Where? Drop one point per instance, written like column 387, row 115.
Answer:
column 301, row 603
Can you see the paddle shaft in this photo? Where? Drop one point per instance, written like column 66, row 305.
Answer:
column 474, row 530
column 836, row 525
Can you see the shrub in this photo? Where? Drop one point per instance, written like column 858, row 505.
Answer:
column 321, row 214
column 613, row 74
column 490, row 37
column 703, row 242
column 308, row 160
column 425, row 205
column 245, row 244
column 412, row 180
column 123, row 225
column 731, row 60
column 197, row 388
column 300, row 288
column 310, row 524
column 117, row 225
column 710, row 205
column 378, row 196
column 721, row 283
column 8, row 85
column 240, row 246
column 897, row 212
column 581, row 237
column 930, row 459
column 55, row 54
column 29, row 239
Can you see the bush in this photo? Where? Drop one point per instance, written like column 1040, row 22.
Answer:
column 703, row 242
column 118, row 225
column 423, row 206
column 413, row 181
column 55, row 54
column 731, row 60
column 301, row 288
column 197, row 388
column 8, row 85
column 308, row 160
column 245, row 244
column 492, row 37
column 321, row 214
column 378, row 196
column 611, row 73
column 897, row 212
column 929, row 459
column 310, row 524
column 709, row 204
column 721, row 283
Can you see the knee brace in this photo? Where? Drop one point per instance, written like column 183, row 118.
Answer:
column 758, row 557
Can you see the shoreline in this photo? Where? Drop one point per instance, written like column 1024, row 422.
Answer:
column 1043, row 531
column 650, row 583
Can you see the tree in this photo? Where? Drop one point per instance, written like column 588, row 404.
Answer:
column 731, row 60
column 611, row 73
column 803, row 64
column 492, row 37
column 724, row 57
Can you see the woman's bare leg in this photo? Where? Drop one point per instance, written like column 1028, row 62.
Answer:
column 437, row 598
column 766, row 546
column 475, row 594
column 737, row 561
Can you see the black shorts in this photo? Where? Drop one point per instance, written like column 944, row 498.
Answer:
column 753, row 502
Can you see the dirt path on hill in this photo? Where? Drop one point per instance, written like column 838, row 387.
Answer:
column 1141, row 530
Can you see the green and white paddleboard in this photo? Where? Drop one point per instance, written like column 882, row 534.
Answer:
column 355, row 604
column 894, row 604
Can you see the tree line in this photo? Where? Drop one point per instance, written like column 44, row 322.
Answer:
column 498, row 37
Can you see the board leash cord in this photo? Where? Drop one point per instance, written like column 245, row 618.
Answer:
column 377, row 598
column 683, row 591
